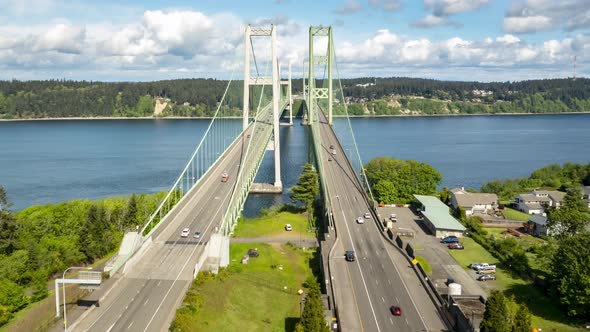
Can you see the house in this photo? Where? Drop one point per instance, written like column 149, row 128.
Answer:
column 586, row 194
column 437, row 217
column 473, row 202
column 536, row 201
column 537, row 225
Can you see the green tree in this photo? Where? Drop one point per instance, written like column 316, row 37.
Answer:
column 307, row 188
column 312, row 318
column 522, row 321
column 573, row 200
column 406, row 178
column 495, row 317
column 131, row 211
column 8, row 226
column 11, row 295
column 570, row 272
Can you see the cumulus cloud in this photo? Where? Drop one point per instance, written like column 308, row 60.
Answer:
column 350, row 7
column 386, row 5
column 526, row 16
column 442, row 9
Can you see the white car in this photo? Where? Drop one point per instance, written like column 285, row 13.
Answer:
column 367, row 215
column 185, row 232
column 392, row 216
column 360, row 220
column 288, row 227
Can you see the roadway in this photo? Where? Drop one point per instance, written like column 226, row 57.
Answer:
column 366, row 288
column 146, row 297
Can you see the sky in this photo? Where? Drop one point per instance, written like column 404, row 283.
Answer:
column 148, row 40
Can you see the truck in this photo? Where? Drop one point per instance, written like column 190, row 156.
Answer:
column 485, row 267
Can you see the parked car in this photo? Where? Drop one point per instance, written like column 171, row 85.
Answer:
column 367, row 215
column 253, row 252
column 456, row 245
column 485, row 266
column 360, row 220
column 288, row 227
column 474, row 265
column 197, row 235
column 185, row 232
column 449, row 239
column 486, row 277
column 395, row 310
column 349, row 255
column 489, row 271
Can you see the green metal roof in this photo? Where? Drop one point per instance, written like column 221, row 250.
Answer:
column 438, row 213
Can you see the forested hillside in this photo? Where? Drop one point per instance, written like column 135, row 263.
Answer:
column 366, row 96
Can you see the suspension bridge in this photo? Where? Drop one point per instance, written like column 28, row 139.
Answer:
column 156, row 266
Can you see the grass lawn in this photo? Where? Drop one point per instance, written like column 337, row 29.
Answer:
column 525, row 240
column 515, row 215
column 272, row 225
column 249, row 297
column 546, row 313
column 424, row 263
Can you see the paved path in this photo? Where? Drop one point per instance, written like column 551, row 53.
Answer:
column 300, row 242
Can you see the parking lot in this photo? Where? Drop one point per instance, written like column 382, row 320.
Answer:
column 444, row 266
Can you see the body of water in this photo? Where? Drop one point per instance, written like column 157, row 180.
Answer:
column 53, row 161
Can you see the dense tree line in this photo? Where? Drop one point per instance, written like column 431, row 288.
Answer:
column 553, row 176
column 41, row 241
column 503, row 314
column 201, row 97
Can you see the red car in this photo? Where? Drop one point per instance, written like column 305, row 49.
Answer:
column 395, row 310
column 456, row 245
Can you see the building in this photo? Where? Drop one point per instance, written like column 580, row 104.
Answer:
column 437, row 217
column 536, row 201
column 473, row 202
column 537, row 225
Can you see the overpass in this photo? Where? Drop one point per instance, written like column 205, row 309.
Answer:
column 158, row 266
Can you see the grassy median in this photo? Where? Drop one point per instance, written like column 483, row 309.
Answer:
column 272, row 225
column 258, row 296
column 546, row 311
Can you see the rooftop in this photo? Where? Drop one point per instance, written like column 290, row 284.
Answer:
column 438, row 213
column 467, row 199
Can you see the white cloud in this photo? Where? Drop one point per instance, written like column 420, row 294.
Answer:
column 442, row 9
column 450, row 7
column 350, row 7
column 526, row 24
column 61, row 38
column 386, row 5
column 508, row 39
column 526, row 16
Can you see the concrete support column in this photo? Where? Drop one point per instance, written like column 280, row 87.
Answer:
column 330, row 93
column 246, row 106
column 290, row 92
column 275, row 107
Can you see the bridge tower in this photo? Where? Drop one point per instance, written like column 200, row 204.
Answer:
column 274, row 80
column 324, row 92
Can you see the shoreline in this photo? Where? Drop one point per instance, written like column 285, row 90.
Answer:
column 239, row 117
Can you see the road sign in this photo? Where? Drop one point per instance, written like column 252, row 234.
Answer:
column 414, row 261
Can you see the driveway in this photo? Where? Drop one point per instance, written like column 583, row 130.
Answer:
column 426, row 245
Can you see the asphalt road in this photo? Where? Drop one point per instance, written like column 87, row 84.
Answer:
column 366, row 288
column 146, row 296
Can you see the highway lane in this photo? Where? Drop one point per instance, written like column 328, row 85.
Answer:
column 376, row 282
column 147, row 295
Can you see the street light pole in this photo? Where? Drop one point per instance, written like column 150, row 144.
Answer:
column 64, row 292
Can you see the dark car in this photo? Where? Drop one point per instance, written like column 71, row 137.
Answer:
column 456, row 245
column 253, row 252
column 450, row 239
column 349, row 255
column 486, row 277
column 332, row 147
column 395, row 310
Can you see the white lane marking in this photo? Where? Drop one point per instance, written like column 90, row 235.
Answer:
column 382, row 266
column 377, row 282
column 110, row 306
column 383, row 299
column 390, row 320
column 396, row 300
column 370, row 266
column 184, row 266
column 389, row 282
column 146, row 301
column 159, row 282
column 110, row 328
column 128, row 327
column 407, row 322
column 359, row 266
